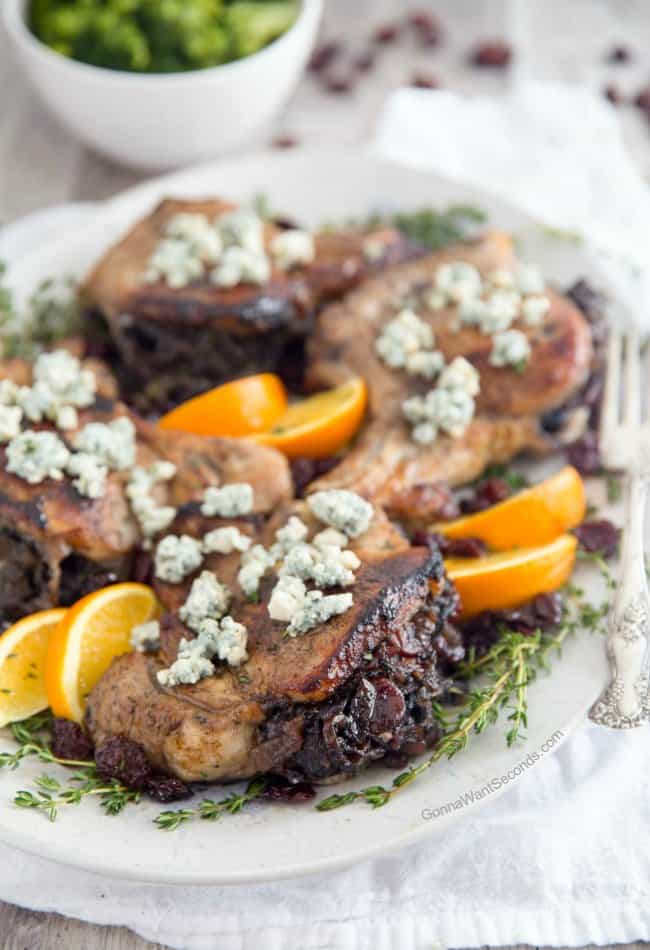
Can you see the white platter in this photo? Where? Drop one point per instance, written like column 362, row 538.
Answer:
column 269, row 842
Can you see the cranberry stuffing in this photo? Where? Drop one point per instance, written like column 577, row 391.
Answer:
column 489, row 492
column 70, row 741
column 285, row 140
column 598, row 537
column 492, row 54
column 386, row 34
column 463, row 547
column 585, row 455
column 279, row 790
column 544, row 612
column 120, row 758
column 619, row 54
column 166, row 788
column 613, row 94
column 324, row 55
column 422, row 80
column 304, row 471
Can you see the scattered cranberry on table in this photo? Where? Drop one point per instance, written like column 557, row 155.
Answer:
column 324, row 55
column 585, row 454
column 286, row 140
column 340, row 82
column 122, row 759
column 613, row 94
column 427, row 27
column 386, row 34
column 364, row 61
column 619, row 54
column 598, row 537
column 167, row 788
column 424, row 80
column 279, row 790
column 486, row 494
column 492, row 54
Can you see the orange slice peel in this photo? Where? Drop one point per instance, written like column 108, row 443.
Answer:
column 534, row 516
column 23, row 653
column 88, row 638
column 503, row 580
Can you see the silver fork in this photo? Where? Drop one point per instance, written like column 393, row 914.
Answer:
column 625, row 445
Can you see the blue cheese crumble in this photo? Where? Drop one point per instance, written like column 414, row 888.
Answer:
column 240, row 265
column 534, row 309
column 293, row 248
column 510, row 349
column 287, row 598
column 441, row 410
column 152, row 517
column 230, row 501
column 90, row 474
column 145, row 637
column 341, row 509
column 317, row 609
column 10, row 421
column 35, row 456
column 208, row 597
column 254, row 565
column 227, row 640
column 113, row 442
column 176, row 557
column 403, row 336
column 460, row 374
column 225, row 541
column 458, row 281
column 242, row 228
column 196, row 231
column 63, row 374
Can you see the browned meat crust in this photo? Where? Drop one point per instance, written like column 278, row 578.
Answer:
column 385, row 464
column 278, row 713
column 220, row 333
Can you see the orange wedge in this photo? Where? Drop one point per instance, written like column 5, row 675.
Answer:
column 88, row 638
column 510, row 578
column 534, row 516
column 251, row 404
column 320, row 425
column 23, row 652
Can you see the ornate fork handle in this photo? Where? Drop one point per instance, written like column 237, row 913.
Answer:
column 626, row 701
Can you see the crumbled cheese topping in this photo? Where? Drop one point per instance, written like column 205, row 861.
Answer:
column 293, row 248
column 208, row 597
column 225, row 639
column 240, row 265
column 294, row 531
column 344, row 510
column 458, row 281
column 35, row 456
column 534, row 309
column 327, row 566
column 254, row 565
column 440, row 410
column 225, row 541
column 112, row 442
column 328, row 538
column 510, row 349
column 529, row 280
column 197, row 231
column 176, row 557
column 64, row 376
column 8, row 392
column 152, row 517
column 374, row 249
column 242, row 228
column 460, row 374
column 403, row 336
column 189, row 667
column 11, row 418
column 316, row 609
column 228, row 642
column 229, row 501
column 287, row 598
column 90, row 472
column 145, row 637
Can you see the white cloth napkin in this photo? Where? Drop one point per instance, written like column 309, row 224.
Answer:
column 564, row 857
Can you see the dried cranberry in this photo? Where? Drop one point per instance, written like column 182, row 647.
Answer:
column 388, row 708
column 122, row 759
column 364, row 61
column 427, row 27
column 613, row 94
column 585, row 455
column 304, row 471
column 642, row 99
column 422, row 80
column 619, row 54
column 449, row 645
column 463, row 547
column 386, row 33
column 492, row 54
column 487, row 493
column 424, row 502
column 285, row 140
column 544, row 612
column 598, row 537
column 339, row 82
column 324, row 55
column 166, row 788
column 143, row 568
column 279, row 790
column 70, row 741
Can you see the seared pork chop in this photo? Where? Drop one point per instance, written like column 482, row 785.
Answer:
column 175, row 343
column 385, row 465
column 56, row 545
column 352, row 690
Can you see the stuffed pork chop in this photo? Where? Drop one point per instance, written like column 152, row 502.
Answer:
column 206, row 285
column 465, row 353
column 84, row 483
column 326, row 656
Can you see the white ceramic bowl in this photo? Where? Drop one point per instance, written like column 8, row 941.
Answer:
column 159, row 121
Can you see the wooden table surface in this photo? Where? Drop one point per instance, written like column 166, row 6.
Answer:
column 41, row 165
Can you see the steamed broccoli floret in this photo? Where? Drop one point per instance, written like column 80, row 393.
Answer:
column 254, row 25
column 159, row 35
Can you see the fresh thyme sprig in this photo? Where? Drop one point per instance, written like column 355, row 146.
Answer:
column 209, row 810
column 51, row 794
